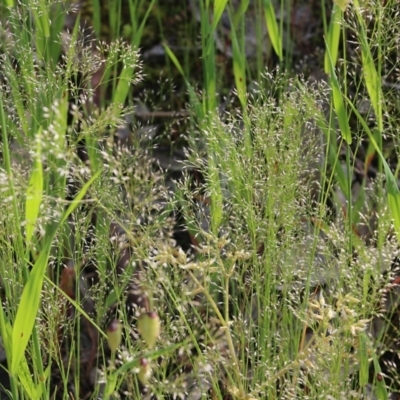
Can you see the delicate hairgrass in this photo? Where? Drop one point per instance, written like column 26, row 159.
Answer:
column 258, row 240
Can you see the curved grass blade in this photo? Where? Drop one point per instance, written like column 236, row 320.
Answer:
column 192, row 94
column 273, row 29
column 30, row 299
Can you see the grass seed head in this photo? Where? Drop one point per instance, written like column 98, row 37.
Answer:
column 149, row 328
column 114, row 335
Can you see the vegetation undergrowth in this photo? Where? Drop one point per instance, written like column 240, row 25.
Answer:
column 262, row 263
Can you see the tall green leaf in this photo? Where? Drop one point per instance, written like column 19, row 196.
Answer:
column 273, row 28
column 371, row 76
column 29, row 304
column 34, row 192
column 340, row 109
column 332, row 40
column 219, row 7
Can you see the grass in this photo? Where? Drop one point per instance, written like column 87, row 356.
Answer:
column 264, row 266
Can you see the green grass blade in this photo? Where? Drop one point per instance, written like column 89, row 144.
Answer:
column 273, row 28
column 219, row 7
column 371, row 77
column 30, row 299
column 96, row 17
column 192, row 94
column 340, row 109
column 79, row 197
column 137, row 36
column 239, row 69
column 125, row 78
column 27, row 310
column 333, row 37
column 34, row 192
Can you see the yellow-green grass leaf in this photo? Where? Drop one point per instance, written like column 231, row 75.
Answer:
column 34, row 192
column 30, row 299
column 273, row 28
column 342, row 4
column 123, row 86
column 60, row 120
column 27, row 310
column 42, row 22
column 333, row 37
column 24, row 375
column 338, row 103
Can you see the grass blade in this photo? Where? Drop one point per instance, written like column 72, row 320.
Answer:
column 273, row 29
column 219, row 7
column 34, row 192
column 125, row 78
column 340, row 109
column 30, row 299
column 192, row 94
column 332, row 39
column 239, row 69
column 371, row 77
